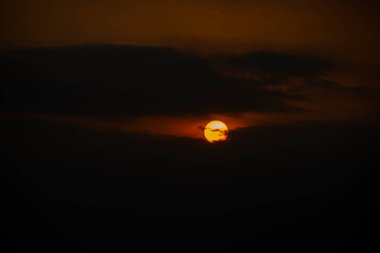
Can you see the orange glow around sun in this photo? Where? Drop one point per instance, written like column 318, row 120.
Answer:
column 216, row 131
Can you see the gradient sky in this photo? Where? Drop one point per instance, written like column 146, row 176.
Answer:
column 307, row 45
column 346, row 31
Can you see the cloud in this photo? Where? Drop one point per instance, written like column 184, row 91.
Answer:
column 268, row 67
column 133, row 81
column 127, row 80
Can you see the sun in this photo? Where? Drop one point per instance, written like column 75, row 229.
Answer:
column 216, row 131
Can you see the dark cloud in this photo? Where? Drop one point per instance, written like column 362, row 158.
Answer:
column 125, row 79
column 297, row 75
column 274, row 67
column 130, row 80
column 74, row 187
column 139, row 187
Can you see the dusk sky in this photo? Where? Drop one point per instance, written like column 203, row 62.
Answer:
column 345, row 31
column 105, row 105
column 335, row 41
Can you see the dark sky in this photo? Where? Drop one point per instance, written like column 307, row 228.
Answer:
column 345, row 31
column 102, row 110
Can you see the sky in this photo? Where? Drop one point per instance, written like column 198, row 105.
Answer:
column 345, row 31
column 104, row 103
column 337, row 41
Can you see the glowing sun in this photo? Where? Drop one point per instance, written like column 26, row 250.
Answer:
column 216, row 131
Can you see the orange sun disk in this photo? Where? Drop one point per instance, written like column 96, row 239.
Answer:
column 216, row 131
